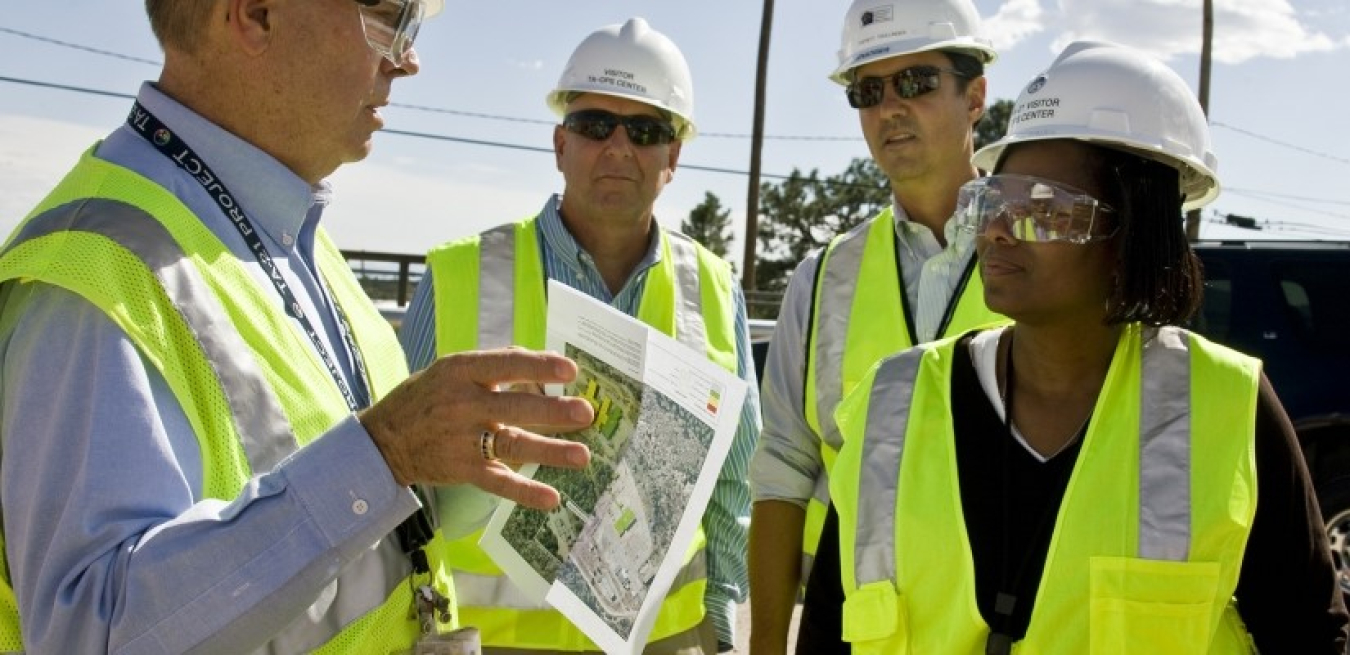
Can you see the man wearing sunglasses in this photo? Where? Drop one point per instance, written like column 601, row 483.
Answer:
column 626, row 105
column 209, row 443
column 914, row 71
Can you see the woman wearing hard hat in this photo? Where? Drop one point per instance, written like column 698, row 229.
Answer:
column 1093, row 478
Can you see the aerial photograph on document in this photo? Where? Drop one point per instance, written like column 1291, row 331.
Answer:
column 616, row 556
column 545, row 539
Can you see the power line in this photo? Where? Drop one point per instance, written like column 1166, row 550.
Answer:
column 1286, row 196
column 715, row 135
column 1262, row 137
column 1260, row 196
column 1264, row 196
column 63, row 87
column 427, row 108
column 76, row 46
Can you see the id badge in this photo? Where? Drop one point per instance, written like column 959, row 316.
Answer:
column 464, row 641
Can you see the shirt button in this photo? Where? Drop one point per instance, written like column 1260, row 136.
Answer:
column 360, row 507
column 287, row 239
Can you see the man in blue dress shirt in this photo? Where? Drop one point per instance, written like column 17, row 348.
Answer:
column 625, row 101
column 208, row 441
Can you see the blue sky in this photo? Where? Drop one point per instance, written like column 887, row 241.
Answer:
column 1278, row 102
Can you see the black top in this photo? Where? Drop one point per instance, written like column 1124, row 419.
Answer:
column 1287, row 591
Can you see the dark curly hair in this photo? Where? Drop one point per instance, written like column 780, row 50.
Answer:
column 1159, row 279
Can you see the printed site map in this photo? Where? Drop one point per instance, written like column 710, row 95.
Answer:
column 664, row 419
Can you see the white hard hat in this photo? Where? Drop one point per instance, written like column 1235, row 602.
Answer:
column 876, row 30
column 630, row 61
column 1120, row 98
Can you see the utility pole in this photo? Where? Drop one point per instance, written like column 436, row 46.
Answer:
column 756, row 144
column 1206, row 45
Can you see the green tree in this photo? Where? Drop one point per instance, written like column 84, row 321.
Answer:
column 803, row 212
column 710, row 224
column 994, row 124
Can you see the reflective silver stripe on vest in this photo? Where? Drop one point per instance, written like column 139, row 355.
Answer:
column 263, row 428
column 840, row 281
column 497, row 287
column 497, row 292
column 690, row 329
column 879, row 475
column 1165, row 446
column 264, row 432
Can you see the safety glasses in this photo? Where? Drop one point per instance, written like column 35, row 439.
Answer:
column 1033, row 209
column 909, row 83
column 391, row 26
column 598, row 125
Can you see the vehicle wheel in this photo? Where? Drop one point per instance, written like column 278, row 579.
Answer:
column 1334, row 497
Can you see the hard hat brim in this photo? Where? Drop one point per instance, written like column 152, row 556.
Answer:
column 1199, row 181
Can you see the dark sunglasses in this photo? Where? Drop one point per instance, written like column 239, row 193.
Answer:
column 909, row 83
column 598, row 125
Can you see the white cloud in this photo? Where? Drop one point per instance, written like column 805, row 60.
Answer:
column 1243, row 29
column 530, row 65
column 1015, row 21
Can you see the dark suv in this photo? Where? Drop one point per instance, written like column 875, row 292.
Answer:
column 1289, row 304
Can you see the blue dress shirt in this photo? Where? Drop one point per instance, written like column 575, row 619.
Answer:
column 727, row 519
column 110, row 546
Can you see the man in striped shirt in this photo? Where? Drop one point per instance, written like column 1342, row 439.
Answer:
column 914, row 70
column 626, row 106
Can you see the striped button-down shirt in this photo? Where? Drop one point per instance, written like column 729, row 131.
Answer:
column 788, row 461
column 727, row 518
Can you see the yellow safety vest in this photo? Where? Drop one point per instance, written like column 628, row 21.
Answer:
column 113, row 237
column 1149, row 538
column 853, row 326
column 490, row 293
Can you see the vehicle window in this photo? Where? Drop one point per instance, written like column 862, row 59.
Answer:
column 1216, row 310
column 1315, row 303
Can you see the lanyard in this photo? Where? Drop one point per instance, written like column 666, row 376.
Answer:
column 163, row 139
column 417, row 530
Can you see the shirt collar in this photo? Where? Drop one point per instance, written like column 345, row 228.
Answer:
column 276, row 200
column 564, row 246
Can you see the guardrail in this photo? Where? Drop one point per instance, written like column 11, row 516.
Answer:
column 387, row 275
column 391, row 276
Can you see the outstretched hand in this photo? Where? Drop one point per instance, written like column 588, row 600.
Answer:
column 430, row 427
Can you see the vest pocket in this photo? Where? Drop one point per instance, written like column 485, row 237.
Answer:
column 1151, row 606
column 875, row 619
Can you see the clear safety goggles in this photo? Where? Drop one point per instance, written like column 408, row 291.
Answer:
column 391, row 26
column 1033, row 209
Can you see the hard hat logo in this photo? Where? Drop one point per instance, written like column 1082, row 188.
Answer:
column 631, row 61
column 1036, row 84
column 618, row 79
column 877, row 15
column 873, row 32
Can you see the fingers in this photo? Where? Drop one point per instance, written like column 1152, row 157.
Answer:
column 516, row 445
column 500, row 480
column 505, row 366
column 544, row 414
